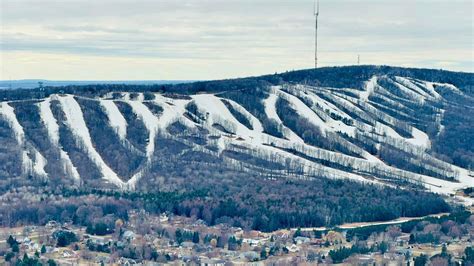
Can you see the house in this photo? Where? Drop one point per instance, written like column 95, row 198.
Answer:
column 293, row 248
column 254, row 242
column 126, row 262
column 302, row 240
column 318, row 242
column 250, row 255
column 33, row 246
column 163, row 218
column 362, row 259
column 68, row 254
column 129, row 235
column 211, row 262
column 52, row 224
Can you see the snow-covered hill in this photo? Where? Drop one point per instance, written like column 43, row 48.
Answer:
column 379, row 133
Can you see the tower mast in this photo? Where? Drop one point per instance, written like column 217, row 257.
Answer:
column 316, row 14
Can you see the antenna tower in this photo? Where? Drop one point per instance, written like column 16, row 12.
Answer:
column 316, row 14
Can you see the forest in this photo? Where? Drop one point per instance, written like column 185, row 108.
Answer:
column 250, row 203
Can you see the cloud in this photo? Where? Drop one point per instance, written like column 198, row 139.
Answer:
column 231, row 37
column 90, row 28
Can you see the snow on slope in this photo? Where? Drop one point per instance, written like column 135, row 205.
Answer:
column 151, row 123
column 325, row 107
column 306, row 112
column 420, row 138
column 218, row 112
column 75, row 121
column 173, row 109
column 9, row 114
column 212, row 105
column 49, row 121
column 257, row 126
column 408, row 84
column 37, row 162
column 303, row 110
column 270, row 110
column 369, row 89
column 116, row 119
column 52, row 128
column 413, row 95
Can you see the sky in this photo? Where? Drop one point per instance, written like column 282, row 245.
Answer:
column 215, row 39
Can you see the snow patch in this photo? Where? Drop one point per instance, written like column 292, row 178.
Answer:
column 270, row 110
column 116, row 119
column 369, row 89
column 151, row 123
column 420, row 138
column 75, row 121
column 52, row 128
column 30, row 165
column 49, row 121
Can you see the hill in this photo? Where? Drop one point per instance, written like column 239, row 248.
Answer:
column 364, row 137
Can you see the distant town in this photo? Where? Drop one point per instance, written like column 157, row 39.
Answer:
column 161, row 239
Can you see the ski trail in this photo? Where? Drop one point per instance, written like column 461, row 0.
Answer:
column 30, row 165
column 75, row 121
column 270, row 111
column 116, row 119
column 52, row 128
column 369, row 89
column 151, row 123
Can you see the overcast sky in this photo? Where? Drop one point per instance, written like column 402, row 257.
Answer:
column 211, row 39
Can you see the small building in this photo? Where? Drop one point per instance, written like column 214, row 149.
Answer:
column 52, row 224
column 250, row 255
column 129, row 235
column 293, row 248
column 302, row 240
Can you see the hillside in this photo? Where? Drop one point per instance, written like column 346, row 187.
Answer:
column 380, row 127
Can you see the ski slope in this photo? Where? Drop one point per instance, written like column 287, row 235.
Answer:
column 358, row 121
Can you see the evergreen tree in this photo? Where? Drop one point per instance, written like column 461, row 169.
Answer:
column 179, row 236
column 468, row 256
column 196, row 237
column 297, row 233
column 263, row 254
column 9, row 256
column 26, row 259
column 444, row 251
column 421, row 260
column 11, row 241
column 383, row 247
column 233, row 243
